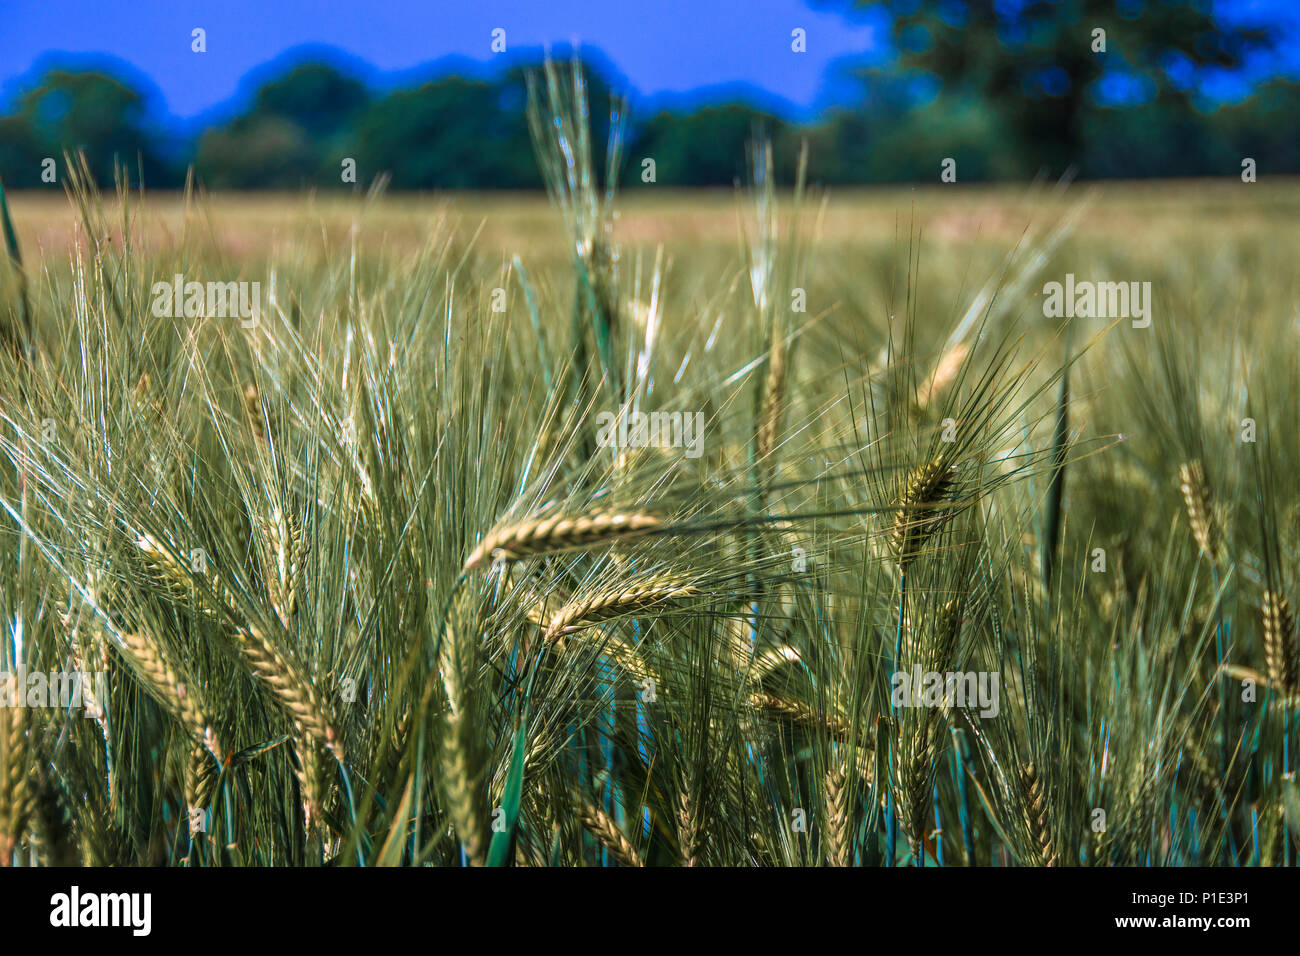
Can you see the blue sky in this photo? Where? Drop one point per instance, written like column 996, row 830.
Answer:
column 668, row 46
column 664, row 48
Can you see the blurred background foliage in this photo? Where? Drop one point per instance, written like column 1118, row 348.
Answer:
column 1010, row 89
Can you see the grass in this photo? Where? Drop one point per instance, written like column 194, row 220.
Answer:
column 366, row 589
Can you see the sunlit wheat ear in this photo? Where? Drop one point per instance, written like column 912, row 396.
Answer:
column 652, row 590
column 921, row 510
column 1038, row 820
column 601, row 826
column 1200, row 508
column 944, row 374
column 293, row 692
column 16, row 791
column 915, row 757
column 148, row 659
column 769, row 420
column 253, row 411
column 554, row 535
column 1280, row 644
column 177, row 580
column 542, row 612
column 838, row 827
column 287, row 555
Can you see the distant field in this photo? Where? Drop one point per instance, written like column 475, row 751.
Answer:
column 1131, row 214
column 1208, row 246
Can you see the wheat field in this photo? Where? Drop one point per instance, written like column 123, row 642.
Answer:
column 767, row 528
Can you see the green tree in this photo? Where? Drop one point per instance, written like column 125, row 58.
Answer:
column 704, row 148
column 316, row 97
column 452, row 133
column 85, row 111
column 1034, row 61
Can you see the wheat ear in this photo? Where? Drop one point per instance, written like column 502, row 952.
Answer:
column 689, row 831
column 1280, row 644
column 769, row 420
column 601, row 826
column 93, row 705
column 200, row 782
column 288, row 555
column 921, row 510
column 1200, row 507
column 554, row 535
column 635, row 595
column 542, row 612
column 16, row 793
column 944, row 374
column 1038, row 818
column 253, row 411
column 295, row 694
column 160, row 677
column 311, row 780
column 463, row 800
column 177, row 580
column 923, row 740
column 793, row 712
column 838, row 833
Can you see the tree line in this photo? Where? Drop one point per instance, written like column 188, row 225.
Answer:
column 305, row 127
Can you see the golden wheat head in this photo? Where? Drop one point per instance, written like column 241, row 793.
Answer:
column 553, row 535
column 1200, row 507
column 1279, row 644
column 634, row 596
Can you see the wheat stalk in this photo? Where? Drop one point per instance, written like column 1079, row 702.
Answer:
column 558, row 534
column 1200, row 508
